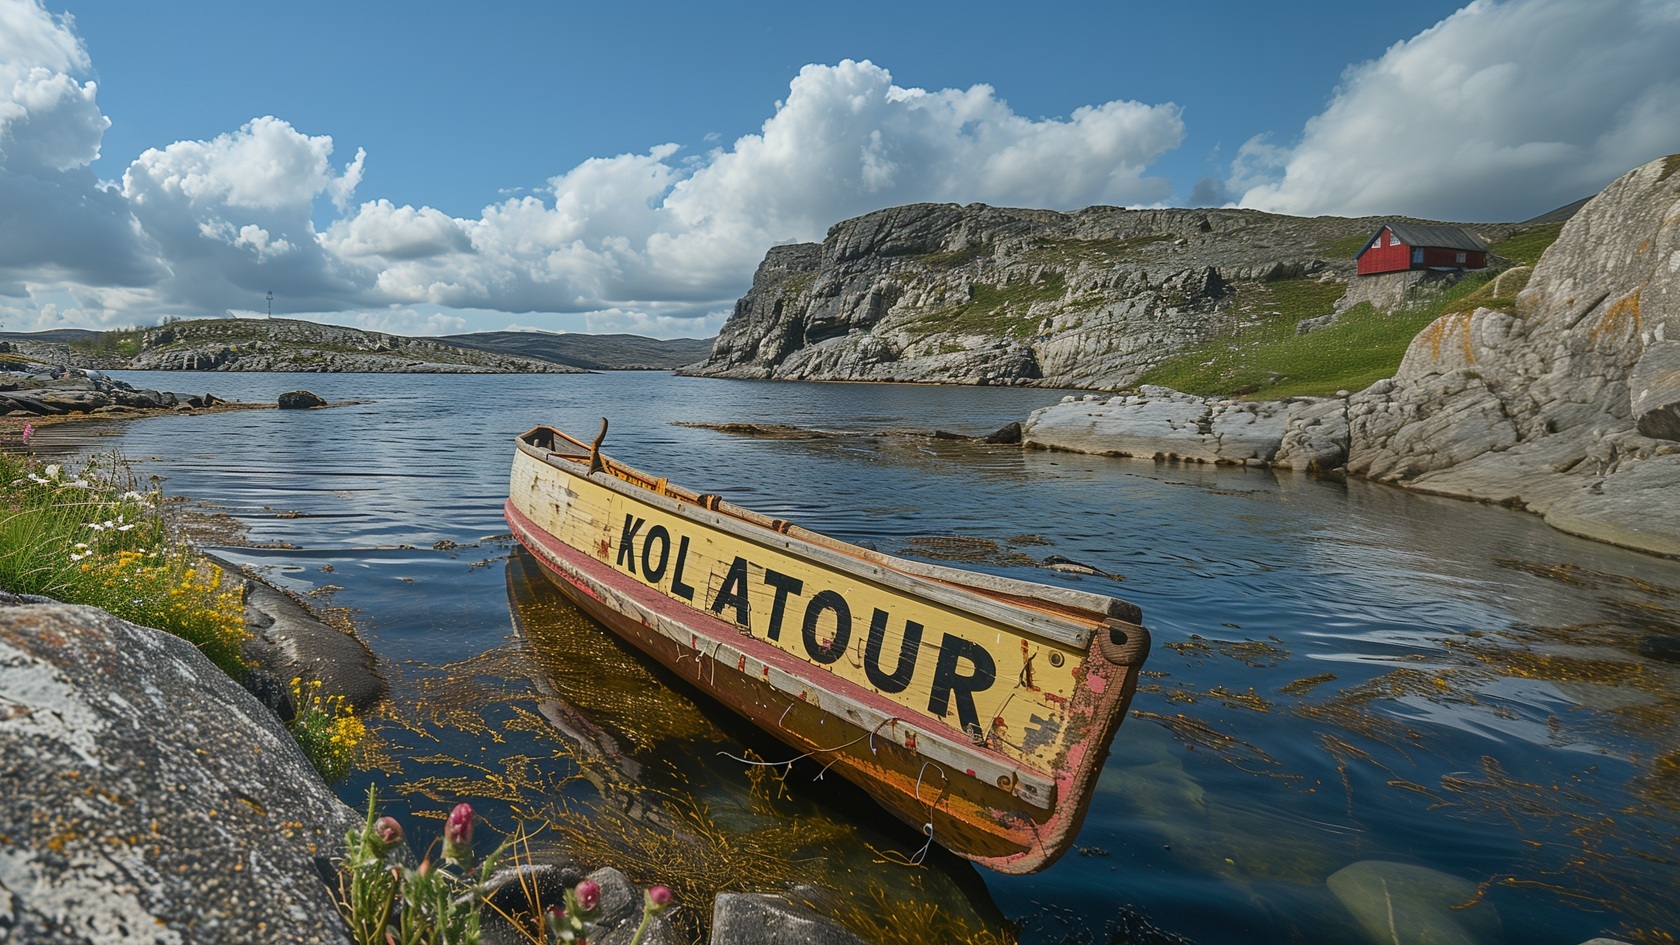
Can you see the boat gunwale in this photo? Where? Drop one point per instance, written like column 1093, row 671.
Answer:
column 1058, row 625
column 791, row 675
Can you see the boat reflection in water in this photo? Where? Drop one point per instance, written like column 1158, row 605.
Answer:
column 688, row 794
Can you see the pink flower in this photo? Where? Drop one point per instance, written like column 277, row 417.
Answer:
column 659, row 896
column 457, row 833
column 588, row 894
column 388, row 830
column 28, row 431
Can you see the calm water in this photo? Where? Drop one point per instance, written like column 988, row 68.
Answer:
column 1342, row 673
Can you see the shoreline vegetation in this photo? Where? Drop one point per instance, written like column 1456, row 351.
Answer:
column 90, row 535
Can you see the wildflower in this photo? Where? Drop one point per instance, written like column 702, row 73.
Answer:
column 589, row 895
column 654, row 901
column 457, row 834
column 28, row 431
column 388, row 830
column 52, row 471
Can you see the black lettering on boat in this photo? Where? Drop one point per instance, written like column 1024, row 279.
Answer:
column 627, row 542
column 826, row 600
column 947, row 682
column 733, row 593
column 784, row 586
column 654, row 572
column 678, row 588
column 908, row 649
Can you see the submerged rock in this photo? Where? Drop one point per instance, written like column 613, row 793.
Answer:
column 1403, row 904
column 148, row 797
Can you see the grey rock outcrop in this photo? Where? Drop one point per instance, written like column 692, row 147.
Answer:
column 1563, row 406
column 1306, row 433
column 941, row 293
column 762, row 919
column 56, row 390
column 146, row 797
column 1654, row 386
column 291, row 643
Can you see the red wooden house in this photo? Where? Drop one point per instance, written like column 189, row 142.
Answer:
column 1398, row 247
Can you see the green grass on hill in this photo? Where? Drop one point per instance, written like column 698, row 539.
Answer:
column 1270, row 361
column 1525, row 248
column 1347, row 247
column 993, row 309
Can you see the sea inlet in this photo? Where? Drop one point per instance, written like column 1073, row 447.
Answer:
column 1365, row 708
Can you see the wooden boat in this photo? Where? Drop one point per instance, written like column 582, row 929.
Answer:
column 976, row 708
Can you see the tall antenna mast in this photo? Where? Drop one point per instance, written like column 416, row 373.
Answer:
column 270, row 303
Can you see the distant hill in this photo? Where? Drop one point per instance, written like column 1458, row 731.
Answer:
column 590, row 352
column 1560, row 215
column 283, row 344
column 265, row 344
column 61, row 336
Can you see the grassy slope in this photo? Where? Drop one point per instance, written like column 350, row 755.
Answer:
column 1267, row 359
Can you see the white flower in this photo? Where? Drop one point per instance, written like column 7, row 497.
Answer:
column 124, row 528
column 52, row 471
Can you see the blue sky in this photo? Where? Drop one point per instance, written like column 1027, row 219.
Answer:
column 428, row 167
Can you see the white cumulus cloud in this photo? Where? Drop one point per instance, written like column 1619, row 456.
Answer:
column 652, row 235
column 232, row 218
column 58, row 225
column 1498, row 112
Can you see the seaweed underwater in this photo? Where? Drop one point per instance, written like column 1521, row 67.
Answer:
column 605, row 759
column 1594, row 824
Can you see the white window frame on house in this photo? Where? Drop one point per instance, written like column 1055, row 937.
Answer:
column 1392, row 239
column 1462, row 258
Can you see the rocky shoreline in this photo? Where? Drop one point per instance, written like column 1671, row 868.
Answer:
column 1568, row 406
column 149, row 797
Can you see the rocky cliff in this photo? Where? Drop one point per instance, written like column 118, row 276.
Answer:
column 276, row 344
column 1568, row 406
column 984, row 295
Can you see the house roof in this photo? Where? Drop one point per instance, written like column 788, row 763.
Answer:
column 1418, row 234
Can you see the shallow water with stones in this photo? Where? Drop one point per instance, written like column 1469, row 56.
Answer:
column 1363, row 707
